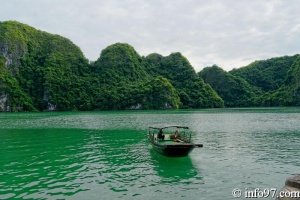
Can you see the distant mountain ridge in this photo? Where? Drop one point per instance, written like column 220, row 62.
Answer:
column 42, row 71
column 268, row 75
column 272, row 82
column 289, row 92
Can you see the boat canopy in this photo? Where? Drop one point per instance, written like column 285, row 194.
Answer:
column 163, row 126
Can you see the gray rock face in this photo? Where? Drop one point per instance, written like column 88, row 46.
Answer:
column 3, row 99
column 291, row 190
column 293, row 181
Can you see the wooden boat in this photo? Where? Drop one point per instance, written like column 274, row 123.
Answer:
column 166, row 140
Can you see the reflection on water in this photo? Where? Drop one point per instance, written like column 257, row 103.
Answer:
column 93, row 155
column 173, row 169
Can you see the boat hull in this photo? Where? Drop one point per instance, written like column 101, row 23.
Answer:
column 172, row 150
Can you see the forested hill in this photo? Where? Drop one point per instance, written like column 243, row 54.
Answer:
column 272, row 82
column 43, row 71
column 119, row 81
column 192, row 90
column 268, row 75
column 289, row 92
column 234, row 90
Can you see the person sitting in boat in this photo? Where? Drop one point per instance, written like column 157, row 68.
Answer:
column 177, row 134
column 160, row 135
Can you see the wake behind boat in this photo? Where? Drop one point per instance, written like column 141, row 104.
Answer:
column 171, row 140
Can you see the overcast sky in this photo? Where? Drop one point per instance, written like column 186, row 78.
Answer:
column 229, row 33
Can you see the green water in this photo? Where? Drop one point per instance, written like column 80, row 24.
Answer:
column 106, row 155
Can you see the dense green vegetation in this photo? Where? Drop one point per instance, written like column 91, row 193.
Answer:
column 48, row 69
column 235, row 91
column 120, row 81
column 289, row 93
column 124, row 80
column 9, row 87
column 42, row 71
column 193, row 92
column 272, row 82
column 267, row 75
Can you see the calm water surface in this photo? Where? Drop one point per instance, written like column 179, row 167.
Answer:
column 106, row 155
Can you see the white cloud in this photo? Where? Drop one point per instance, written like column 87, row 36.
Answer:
column 228, row 33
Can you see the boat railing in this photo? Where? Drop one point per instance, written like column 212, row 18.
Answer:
column 152, row 136
column 184, row 136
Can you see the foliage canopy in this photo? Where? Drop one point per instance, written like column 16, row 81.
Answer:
column 43, row 71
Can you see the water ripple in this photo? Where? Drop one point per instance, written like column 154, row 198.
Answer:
column 91, row 155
